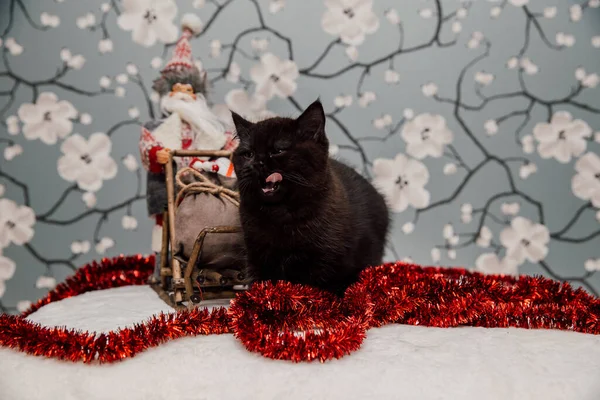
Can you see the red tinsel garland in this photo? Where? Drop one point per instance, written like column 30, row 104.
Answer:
column 300, row 323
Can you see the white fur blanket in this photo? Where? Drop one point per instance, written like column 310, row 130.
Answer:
column 395, row 362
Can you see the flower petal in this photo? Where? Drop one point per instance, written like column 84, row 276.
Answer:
column 30, row 114
column 69, row 167
column 165, row 30
column 75, row 145
column 7, row 268
column 99, row 144
column 384, row 168
column 418, row 197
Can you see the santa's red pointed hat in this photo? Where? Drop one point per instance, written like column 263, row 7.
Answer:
column 182, row 68
column 182, row 55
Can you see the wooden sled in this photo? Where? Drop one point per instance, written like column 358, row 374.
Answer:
column 183, row 283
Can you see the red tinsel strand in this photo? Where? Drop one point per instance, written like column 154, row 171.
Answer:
column 108, row 273
column 299, row 323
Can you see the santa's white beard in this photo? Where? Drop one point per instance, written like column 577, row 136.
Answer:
column 208, row 129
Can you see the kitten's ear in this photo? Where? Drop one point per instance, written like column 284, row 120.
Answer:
column 312, row 121
column 242, row 126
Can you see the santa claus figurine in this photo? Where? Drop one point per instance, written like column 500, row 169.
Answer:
column 187, row 123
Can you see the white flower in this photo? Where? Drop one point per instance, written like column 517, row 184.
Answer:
column 450, row 169
column 129, row 223
column 456, row 27
column 475, row 41
column 23, row 305
column 408, row 228
column 586, row 184
column 122, row 79
column 580, row 73
column 401, row 181
column 80, row 247
column 495, row 12
column 11, row 152
column 528, row 66
column 104, row 244
column 343, row 101
column 452, row 254
column 130, row 162
column 426, row 135
column 48, row 119
column 104, row 82
column 149, row 20
column 132, row 69
column 510, row 208
column 250, row 107
column 105, row 46
column 491, row 127
column 276, row 5
column 85, row 119
column 587, row 80
column 215, row 48
column 89, row 199
column 549, row 12
column 120, row 91
column 596, row 41
column 7, row 270
column 65, row 54
column 489, row 264
column 105, row 7
column 435, row 254
column 154, row 97
column 594, row 3
column 199, row 3
column 592, row 265
column 518, row 3
column 351, row 20
column 234, row 72
column 392, row 16
column 334, row 149
column 366, row 98
column 484, row 78
column 383, row 121
column 133, row 112
column 87, row 162
column 525, row 240
column 447, row 231
column 48, row 20
column 466, row 213
column 352, row 53
column 16, row 223
column 512, row 63
column 45, row 282
column 461, row 13
column 562, row 138
column 12, row 125
column 426, row 13
column 391, row 76
column 429, row 89
column 484, row 237
column 274, row 76
column 575, row 12
column 85, row 21
column 259, row 44
column 156, row 62
column 408, row 113
column 528, row 144
column 527, row 169
column 564, row 39
column 76, row 62
column 13, row 47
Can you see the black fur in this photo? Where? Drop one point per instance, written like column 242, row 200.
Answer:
column 324, row 224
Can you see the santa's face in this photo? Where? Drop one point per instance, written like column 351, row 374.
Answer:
column 183, row 92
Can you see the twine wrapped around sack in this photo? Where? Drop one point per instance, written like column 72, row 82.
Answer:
column 203, row 185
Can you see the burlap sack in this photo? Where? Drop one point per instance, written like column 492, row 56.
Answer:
column 204, row 210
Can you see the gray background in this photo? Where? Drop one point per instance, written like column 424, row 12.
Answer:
column 49, row 252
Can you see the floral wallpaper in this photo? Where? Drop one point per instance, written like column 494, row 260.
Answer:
column 479, row 121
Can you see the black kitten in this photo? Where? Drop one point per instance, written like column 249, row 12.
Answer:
column 306, row 218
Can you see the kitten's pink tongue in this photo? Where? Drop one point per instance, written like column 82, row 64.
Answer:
column 274, row 177
column 271, row 181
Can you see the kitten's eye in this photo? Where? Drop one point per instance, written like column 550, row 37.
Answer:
column 277, row 152
column 248, row 154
